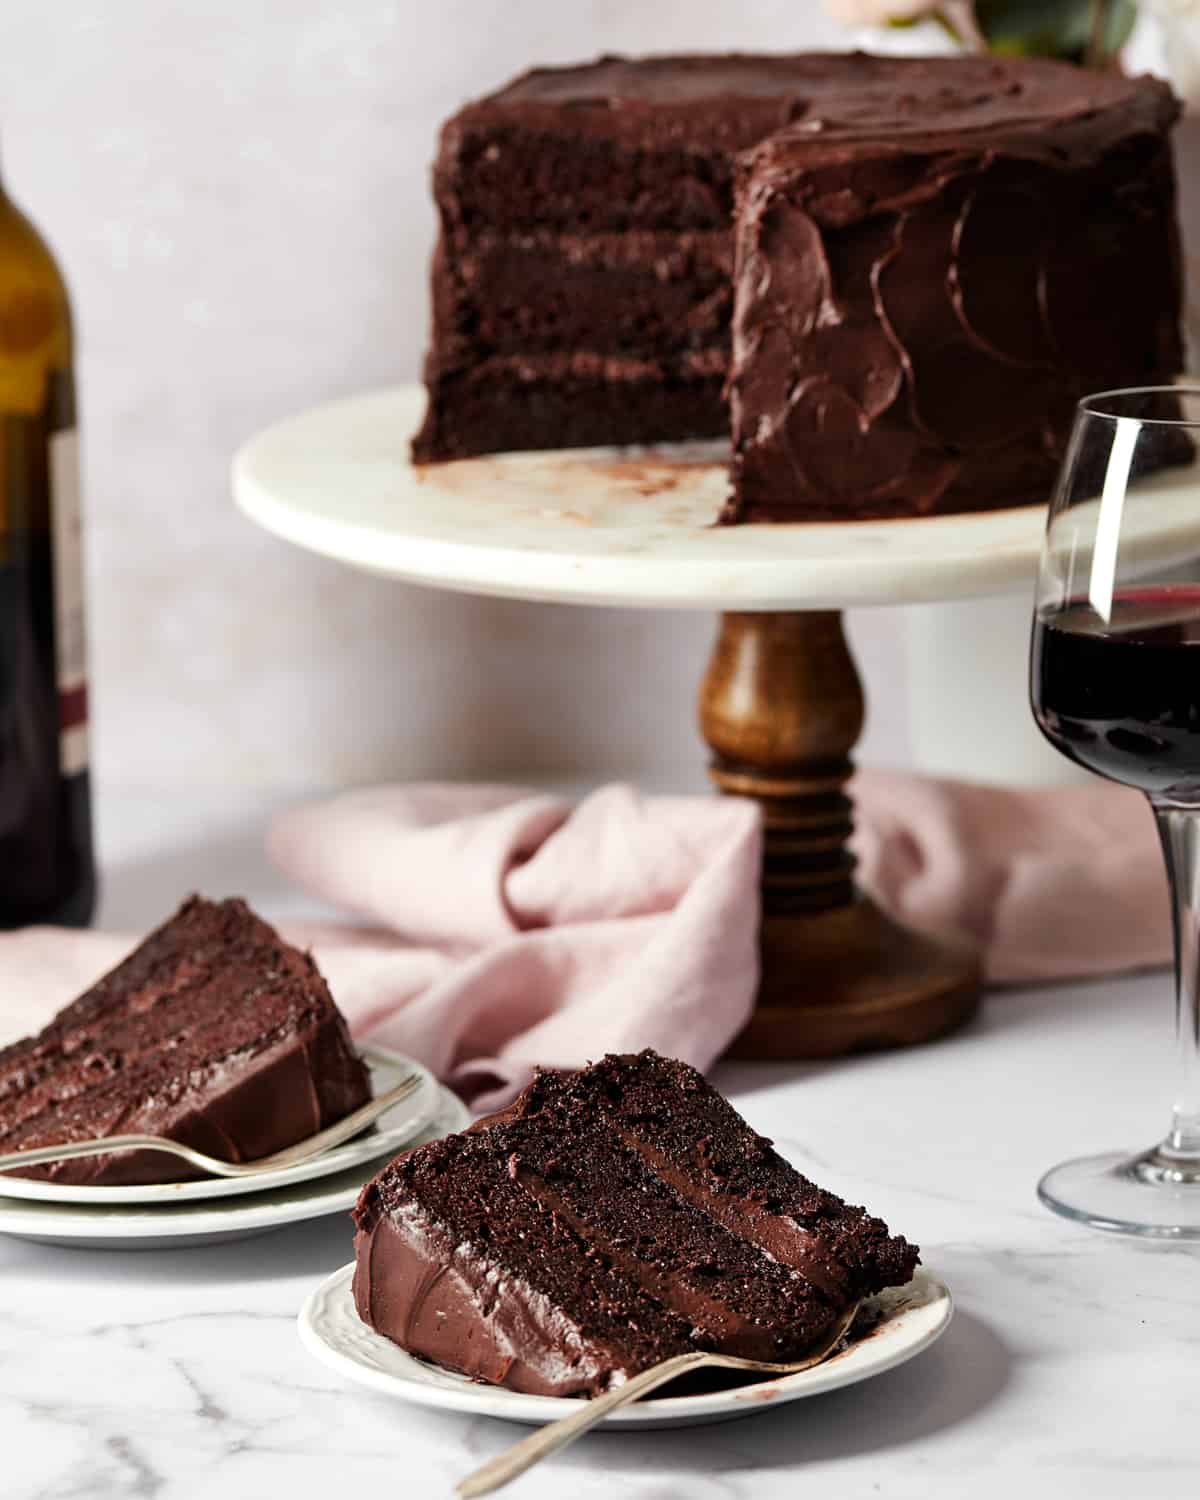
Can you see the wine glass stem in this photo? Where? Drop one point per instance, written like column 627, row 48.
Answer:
column 1179, row 830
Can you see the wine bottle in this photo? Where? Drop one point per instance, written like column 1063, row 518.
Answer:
column 46, row 867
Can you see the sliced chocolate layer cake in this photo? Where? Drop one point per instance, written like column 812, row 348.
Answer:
column 214, row 1032
column 935, row 257
column 607, row 1220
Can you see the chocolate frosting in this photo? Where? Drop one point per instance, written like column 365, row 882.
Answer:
column 932, row 266
column 443, row 1300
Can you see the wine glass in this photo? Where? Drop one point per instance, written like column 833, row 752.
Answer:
column 1115, row 686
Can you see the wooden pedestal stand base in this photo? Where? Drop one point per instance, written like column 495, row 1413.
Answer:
column 781, row 707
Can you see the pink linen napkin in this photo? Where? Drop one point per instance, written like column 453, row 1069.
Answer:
column 499, row 928
column 535, row 932
column 1052, row 882
column 506, row 927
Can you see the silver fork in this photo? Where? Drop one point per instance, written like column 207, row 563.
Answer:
column 514, row 1461
column 324, row 1140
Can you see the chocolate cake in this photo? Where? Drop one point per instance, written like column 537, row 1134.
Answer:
column 607, row 1220
column 214, row 1032
column 935, row 257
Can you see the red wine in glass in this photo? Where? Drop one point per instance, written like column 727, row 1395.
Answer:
column 1121, row 696
column 1115, row 687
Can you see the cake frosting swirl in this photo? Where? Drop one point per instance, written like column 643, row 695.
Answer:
column 931, row 267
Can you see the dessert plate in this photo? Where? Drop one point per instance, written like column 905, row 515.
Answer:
column 912, row 1318
column 389, row 1133
column 169, row 1226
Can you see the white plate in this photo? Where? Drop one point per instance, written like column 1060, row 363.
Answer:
column 386, row 1137
column 172, row 1226
column 914, row 1317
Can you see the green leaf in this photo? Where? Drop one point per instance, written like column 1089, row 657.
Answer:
column 1052, row 28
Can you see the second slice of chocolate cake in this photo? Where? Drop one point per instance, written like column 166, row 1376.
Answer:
column 607, row 1220
column 215, row 1032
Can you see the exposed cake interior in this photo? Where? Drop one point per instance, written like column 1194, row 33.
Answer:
column 213, row 1032
column 479, row 1251
column 582, row 284
column 692, row 1137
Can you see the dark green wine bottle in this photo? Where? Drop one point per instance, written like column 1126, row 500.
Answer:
column 47, row 872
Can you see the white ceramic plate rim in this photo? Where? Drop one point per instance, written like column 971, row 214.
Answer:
column 924, row 1309
column 264, row 1210
column 391, row 1131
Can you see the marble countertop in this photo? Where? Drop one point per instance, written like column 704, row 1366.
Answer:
column 1070, row 1368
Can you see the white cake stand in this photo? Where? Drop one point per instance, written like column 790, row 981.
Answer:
column 781, row 704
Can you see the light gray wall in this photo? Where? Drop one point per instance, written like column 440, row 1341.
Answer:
column 238, row 194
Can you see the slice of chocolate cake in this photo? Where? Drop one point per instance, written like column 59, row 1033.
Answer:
column 607, row 1220
column 214, row 1032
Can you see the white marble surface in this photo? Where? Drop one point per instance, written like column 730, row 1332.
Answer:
column 1069, row 1370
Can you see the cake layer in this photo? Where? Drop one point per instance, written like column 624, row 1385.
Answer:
column 737, row 1299
column 516, row 402
column 927, row 284
column 604, row 1221
column 697, row 1142
column 619, row 143
column 214, row 1032
column 603, row 294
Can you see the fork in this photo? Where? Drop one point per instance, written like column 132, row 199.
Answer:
column 506, row 1466
column 333, row 1135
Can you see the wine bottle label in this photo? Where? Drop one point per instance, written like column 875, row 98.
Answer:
column 69, row 629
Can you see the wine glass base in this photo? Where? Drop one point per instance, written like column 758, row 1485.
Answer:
column 1149, row 1195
